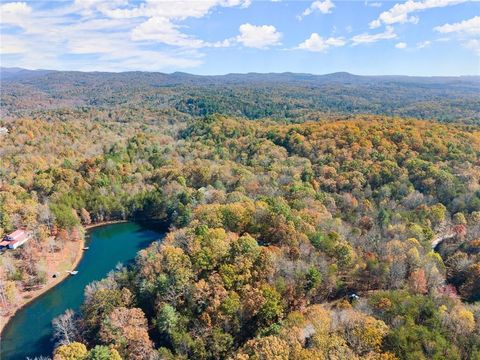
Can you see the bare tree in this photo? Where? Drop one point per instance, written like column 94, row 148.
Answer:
column 45, row 216
column 65, row 328
column 30, row 257
column 3, row 298
column 85, row 216
column 51, row 244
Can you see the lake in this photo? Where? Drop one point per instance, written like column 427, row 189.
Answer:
column 29, row 333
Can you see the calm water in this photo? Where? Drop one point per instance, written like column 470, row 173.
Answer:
column 30, row 331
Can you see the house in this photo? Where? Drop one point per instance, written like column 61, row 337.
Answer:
column 4, row 244
column 15, row 239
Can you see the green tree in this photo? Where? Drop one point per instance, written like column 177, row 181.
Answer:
column 272, row 308
column 101, row 352
column 167, row 319
column 65, row 217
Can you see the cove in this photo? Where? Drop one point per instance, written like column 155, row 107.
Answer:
column 29, row 332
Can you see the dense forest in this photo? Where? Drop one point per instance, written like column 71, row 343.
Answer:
column 290, row 96
column 310, row 236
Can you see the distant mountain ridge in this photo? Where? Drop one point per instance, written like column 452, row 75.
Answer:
column 253, row 95
column 20, row 73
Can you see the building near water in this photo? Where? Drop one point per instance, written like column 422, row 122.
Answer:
column 15, row 239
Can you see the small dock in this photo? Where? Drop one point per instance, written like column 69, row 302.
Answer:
column 72, row 272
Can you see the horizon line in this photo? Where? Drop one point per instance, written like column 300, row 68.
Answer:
column 240, row 73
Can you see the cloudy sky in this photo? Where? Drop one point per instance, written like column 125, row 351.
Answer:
column 416, row 37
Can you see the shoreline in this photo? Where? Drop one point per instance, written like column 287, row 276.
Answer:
column 37, row 293
column 104, row 223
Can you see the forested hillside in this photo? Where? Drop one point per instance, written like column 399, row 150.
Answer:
column 253, row 96
column 274, row 225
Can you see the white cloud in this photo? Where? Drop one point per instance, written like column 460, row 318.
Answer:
column 160, row 29
column 89, row 7
column 117, row 35
column 474, row 45
column 464, row 31
column 162, row 16
column 258, row 37
column 373, row 4
column 401, row 45
column 144, row 60
column 105, row 54
column 316, row 43
column 107, row 25
column 11, row 45
column 172, row 9
column 470, row 27
column 366, row 38
column 14, row 13
column 97, row 44
column 83, row 28
column 325, row 7
column 375, row 24
column 400, row 13
column 423, row 44
column 14, row 9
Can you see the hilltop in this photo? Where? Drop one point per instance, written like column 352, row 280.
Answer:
column 276, row 95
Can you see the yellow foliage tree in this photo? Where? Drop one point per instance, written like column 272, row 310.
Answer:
column 73, row 351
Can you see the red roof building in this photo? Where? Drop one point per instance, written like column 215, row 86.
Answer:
column 4, row 244
column 16, row 239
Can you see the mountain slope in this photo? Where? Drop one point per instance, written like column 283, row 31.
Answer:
column 252, row 95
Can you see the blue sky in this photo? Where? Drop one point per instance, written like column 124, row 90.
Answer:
column 414, row 37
